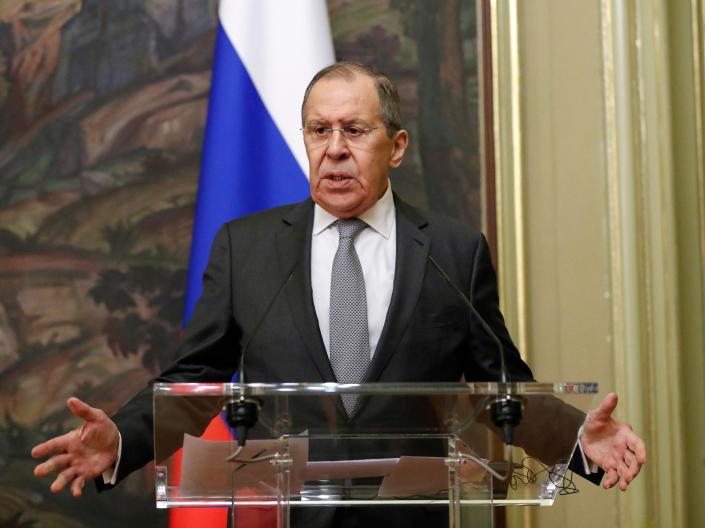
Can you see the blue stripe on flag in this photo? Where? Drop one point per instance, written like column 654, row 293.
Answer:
column 246, row 164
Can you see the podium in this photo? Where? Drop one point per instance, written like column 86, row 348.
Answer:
column 406, row 445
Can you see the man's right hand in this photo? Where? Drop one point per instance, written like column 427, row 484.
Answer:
column 81, row 454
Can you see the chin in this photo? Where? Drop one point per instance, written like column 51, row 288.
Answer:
column 343, row 210
column 342, row 207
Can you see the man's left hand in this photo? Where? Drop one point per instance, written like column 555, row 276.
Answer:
column 612, row 445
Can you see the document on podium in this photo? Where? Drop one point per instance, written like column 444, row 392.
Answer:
column 424, row 476
column 205, row 471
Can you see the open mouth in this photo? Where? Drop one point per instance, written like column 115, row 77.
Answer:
column 338, row 178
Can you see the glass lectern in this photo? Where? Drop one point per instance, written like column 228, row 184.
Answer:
column 405, row 445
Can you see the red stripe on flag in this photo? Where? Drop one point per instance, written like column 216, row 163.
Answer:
column 198, row 517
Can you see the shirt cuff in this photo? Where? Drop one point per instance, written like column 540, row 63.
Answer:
column 110, row 474
column 588, row 465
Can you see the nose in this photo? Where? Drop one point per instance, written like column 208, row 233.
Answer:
column 337, row 146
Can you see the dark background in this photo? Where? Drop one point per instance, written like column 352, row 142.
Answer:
column 102, row 112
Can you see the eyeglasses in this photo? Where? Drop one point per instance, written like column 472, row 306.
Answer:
column 318, row 135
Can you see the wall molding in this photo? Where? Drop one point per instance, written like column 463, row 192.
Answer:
column 509, row 178
column 644, row 266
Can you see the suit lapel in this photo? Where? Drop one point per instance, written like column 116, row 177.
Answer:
column 294, row 249
column 412, row 250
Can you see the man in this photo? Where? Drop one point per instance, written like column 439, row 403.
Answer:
column 399, row 322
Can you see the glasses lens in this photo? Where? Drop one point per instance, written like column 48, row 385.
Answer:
column 317, row 135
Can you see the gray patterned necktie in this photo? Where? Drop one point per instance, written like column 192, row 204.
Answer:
column 349, row 333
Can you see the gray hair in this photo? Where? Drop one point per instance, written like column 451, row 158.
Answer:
column 389, row 105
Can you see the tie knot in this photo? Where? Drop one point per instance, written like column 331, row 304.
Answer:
column 350, row 227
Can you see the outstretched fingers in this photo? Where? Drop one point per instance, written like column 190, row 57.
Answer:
column 625, row 461
column 612, row 445
column 60, row 444
column 604, row 412
column 633, row 460
column 83, row 410
column 77, row 486
column 63, row 479
column 626, row 475
column 611, row 478
column 55, row 463
column 81, row 454
column 630, row 463
column 637, row 446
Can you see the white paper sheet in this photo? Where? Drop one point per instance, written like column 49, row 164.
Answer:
column 205, row 471
column 424, row 476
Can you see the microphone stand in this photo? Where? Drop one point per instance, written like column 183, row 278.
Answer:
column 506, row 409
column 243, row 413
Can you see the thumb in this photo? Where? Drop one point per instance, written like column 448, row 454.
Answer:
column 606, row 408
column 82, row 410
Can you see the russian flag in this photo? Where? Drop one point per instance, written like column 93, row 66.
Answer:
column 253, row 158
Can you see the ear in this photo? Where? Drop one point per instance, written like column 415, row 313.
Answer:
column 399, row 143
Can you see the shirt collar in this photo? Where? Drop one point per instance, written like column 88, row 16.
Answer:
column 379, row 217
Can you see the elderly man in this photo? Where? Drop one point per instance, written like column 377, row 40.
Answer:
column 361, row 304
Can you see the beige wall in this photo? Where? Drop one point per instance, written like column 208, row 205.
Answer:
column 566, row 229
column 600, row 204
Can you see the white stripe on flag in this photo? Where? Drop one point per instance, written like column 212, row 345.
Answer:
column 282, row 43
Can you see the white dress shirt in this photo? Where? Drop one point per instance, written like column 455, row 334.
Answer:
column 376, row 247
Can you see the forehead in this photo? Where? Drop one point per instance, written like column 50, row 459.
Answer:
column 338, row 98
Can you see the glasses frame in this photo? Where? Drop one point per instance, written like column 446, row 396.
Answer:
column 344, row 132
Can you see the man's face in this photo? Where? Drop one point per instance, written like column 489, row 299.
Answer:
column 347, row 178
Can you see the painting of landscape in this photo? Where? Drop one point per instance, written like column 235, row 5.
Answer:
column 102, row 113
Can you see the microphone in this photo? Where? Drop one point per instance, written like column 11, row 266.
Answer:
column 242, row 414
column 506, row 409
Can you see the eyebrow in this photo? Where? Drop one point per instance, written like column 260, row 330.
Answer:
column 345, row 122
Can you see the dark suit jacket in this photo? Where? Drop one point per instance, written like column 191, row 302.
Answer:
column 428, row 334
